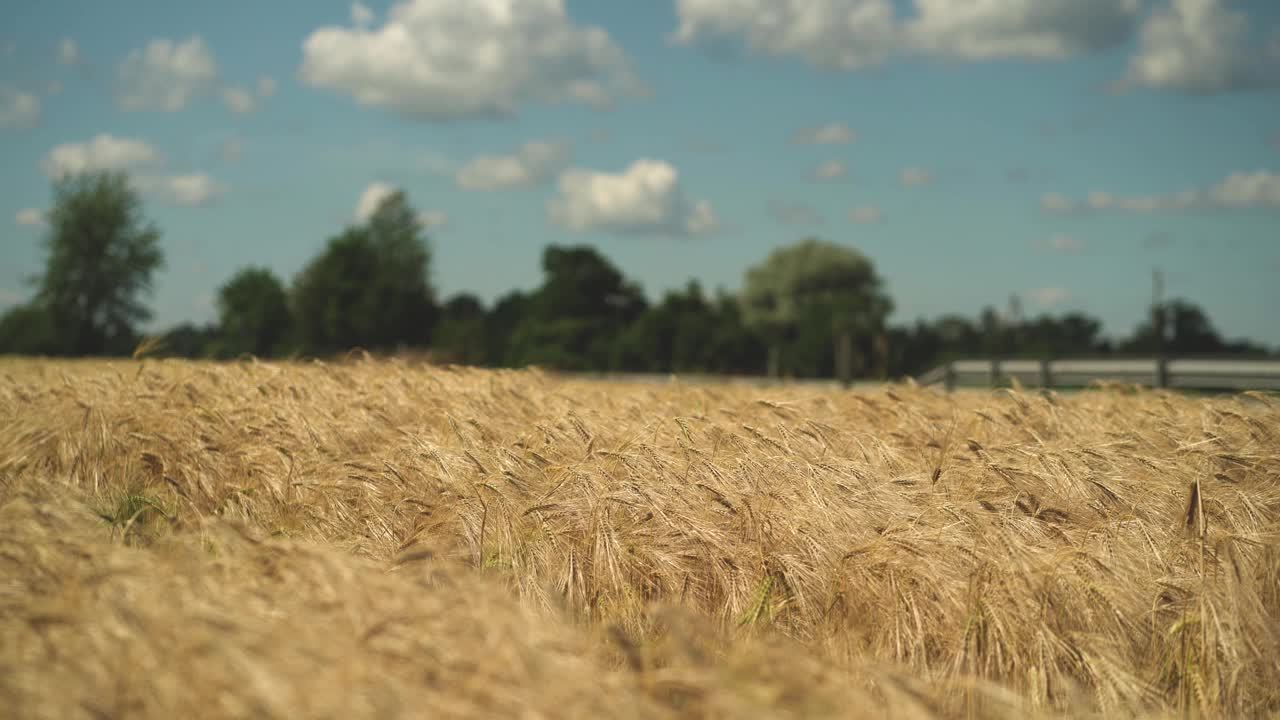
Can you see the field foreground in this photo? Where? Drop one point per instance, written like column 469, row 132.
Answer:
column 377, row 540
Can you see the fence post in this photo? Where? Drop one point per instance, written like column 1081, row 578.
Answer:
column 949, row 376
column 995, row 373
column 1046, row 375
column 1162, row 372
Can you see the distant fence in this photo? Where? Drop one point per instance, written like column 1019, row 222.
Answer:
column 1171, row 373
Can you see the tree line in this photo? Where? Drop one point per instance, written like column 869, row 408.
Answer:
column 809, row 309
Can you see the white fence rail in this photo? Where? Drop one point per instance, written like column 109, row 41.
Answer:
column 1188, row 374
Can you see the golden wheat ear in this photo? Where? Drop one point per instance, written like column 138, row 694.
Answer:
column 149, row 344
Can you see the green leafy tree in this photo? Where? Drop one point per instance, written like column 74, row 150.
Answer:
column 809, row 296
column 500, row 327
column 574, row 319
column 28, row 330
column 460, row 335
column 1187, row 331
column 689, row 333
column 253, row 313
column 101, row 258
column 370, row 287
column 191, row 341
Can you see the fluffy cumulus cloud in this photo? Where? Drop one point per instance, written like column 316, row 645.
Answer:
column 103, row 152
column 143, row 163
column 1242, row 190
column 866, row 215
column 266, row 86
column 915, row 176
column 829, row 134
column 191, row 190
column 371, row 198
column 644, row 199
column 533, row 164
column 68, row 52
column 165, row 75
column 1049, row 296
column 795, row 213
column 29, row 217
column 830, row 170
column 18, row 109
column 1200, row 47
column 444, row 59
column 1040, row 29
column 833, row 34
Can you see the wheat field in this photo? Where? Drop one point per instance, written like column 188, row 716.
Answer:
column 384, row 539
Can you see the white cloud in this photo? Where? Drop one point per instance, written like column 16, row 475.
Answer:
column 242, row 100
column 18, row 109
column 29, row 217
column 103, row 152
column 444, row 59
column 9, row 297
column 361, row 15
column 829, row 134
column 830, row 170
column 1062, row 244
column 68, row 52
column 238, row 99
column 1199, row 47
column 433, row 218
column 193, row 190
column 141, row 161
column 371, row 198
column 852, row 34
column 795, row 213
column 165, row 75
column 866, row 214
column 1049, row 296
column 266, row 86
column 644, row 199
column 231, row 149
column 915, row 176
column 834, row 34
column 534, row 163
column 1040, row 29
column 1241, row 190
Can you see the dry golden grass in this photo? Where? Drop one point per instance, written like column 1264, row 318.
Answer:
column 377, row 540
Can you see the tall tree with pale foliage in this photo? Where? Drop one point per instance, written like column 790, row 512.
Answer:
column 813, row 288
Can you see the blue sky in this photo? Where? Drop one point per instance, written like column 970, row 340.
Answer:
column 974, row 149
